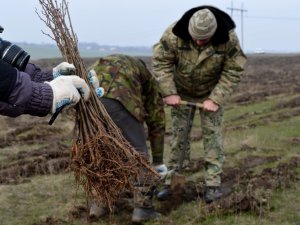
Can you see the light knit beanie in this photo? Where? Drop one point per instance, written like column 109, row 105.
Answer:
column 202, row 24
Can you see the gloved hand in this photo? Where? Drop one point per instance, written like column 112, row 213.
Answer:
column 162, row 170
column 94, row 81
column 63, row 68
column 67, row 90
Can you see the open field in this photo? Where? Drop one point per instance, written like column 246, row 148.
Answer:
column 261, row 173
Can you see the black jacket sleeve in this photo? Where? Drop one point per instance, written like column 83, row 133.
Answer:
column 8, row 76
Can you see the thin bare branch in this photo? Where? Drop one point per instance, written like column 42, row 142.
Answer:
column 103, row 161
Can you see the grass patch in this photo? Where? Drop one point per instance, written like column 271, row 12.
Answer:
column 42, row 197
column 283, row 209
column 9, row 153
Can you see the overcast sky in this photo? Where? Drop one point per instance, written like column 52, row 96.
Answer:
column 271, row 25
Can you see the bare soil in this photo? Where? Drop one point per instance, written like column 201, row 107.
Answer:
column 265, row 76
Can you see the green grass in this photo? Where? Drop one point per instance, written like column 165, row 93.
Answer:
column 42, row 197
column 271, row 139
column 8, row 154
column 283, row 209
column 55, row 195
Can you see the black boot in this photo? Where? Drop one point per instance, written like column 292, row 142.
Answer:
column 143, row 208
column 97, row 211
column 141, row 214
column 164, row 194
column 212, row 194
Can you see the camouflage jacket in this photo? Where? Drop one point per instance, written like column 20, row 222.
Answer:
column 128, row 80
column 194, row 72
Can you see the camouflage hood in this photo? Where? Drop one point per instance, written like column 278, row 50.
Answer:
column 221, row 36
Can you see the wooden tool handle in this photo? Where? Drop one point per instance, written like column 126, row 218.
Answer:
column 198, row 105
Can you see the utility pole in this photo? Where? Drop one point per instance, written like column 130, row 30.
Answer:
column 242, row 11
column 231, row 9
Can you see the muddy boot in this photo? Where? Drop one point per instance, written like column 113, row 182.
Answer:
column 97, row 210
column 142, row 214
column 212, row 194
column 143, row 208
column 166, row 191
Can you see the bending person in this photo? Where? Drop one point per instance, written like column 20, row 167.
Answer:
column 198, row 58
column 132, row 100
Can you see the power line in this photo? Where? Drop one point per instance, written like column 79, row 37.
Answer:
column 272, row 18
column 242, row 11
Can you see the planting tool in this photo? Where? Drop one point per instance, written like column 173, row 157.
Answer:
column 177, row 178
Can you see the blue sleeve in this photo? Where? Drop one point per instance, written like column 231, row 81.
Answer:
column 37, row 75
column 8, row 76
column 27, row 97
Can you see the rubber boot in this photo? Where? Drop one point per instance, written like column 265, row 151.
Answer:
column 212, row 194
column 166, row 191
column 97, row 210
column 143, row 207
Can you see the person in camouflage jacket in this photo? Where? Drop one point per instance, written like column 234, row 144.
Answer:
column 131, row 98
column 199, row 59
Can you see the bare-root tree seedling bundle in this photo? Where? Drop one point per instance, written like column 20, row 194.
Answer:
column 102, row 160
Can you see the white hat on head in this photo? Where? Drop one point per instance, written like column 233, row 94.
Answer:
column 202, row 24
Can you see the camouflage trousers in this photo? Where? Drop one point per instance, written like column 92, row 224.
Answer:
column 211, row 125
column 143, row 197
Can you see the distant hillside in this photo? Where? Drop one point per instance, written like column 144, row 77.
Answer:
column 42, row 51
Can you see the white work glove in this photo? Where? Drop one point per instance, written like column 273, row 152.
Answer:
column 162, row 170
column 67, row 90
column 63, row 68
column 94, row 81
